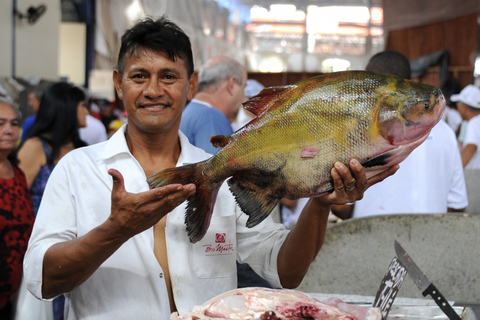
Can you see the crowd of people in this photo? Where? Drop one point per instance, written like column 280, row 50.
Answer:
column 99, row 242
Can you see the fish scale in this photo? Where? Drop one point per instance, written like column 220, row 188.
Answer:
column 300, row 131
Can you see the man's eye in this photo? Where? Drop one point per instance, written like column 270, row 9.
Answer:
column 138, row 76
column 169, row 78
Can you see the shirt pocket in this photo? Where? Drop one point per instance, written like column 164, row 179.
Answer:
column 214, row 256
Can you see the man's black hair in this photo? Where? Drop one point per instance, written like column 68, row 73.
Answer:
column 160, row 34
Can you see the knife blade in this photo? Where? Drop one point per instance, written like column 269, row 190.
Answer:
column 422, row 282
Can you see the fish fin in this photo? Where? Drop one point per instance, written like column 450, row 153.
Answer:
column 200, row 205
column 219, row 141
column 261, row 102
column 255, row 204
column 380, row 160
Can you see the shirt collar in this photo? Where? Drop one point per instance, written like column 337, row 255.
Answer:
column 117, row 144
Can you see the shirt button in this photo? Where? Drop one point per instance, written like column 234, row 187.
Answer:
column 160, row 274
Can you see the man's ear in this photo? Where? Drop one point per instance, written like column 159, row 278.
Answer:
column 231, row 85
column 117, row 81
column 192, row 86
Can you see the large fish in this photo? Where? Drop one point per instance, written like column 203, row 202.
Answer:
column 300, row 131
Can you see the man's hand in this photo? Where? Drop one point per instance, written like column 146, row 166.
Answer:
column 309, row 231
column 350, row 184
column 134, row 213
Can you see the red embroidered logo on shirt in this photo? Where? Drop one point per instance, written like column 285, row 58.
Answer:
column 220, row 237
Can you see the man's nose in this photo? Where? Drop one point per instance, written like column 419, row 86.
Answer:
column 154, row 89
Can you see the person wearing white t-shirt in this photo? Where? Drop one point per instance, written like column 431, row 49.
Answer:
column 453, row 118
column 94, row 132
column 430, row 179
column 468, row 104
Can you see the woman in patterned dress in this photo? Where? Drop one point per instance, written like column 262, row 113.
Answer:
column 16, row 211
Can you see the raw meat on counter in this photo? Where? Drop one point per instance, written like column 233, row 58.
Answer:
column 272, row 304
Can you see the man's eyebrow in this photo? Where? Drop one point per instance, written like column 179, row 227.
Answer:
column 139, row 69
column 163, row 70
column 170, row 70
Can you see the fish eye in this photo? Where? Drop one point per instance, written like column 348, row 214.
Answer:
column 426, row 106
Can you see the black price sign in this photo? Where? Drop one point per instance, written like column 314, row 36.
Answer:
column 389, row 287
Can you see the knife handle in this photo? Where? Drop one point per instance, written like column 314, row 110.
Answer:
column 441, row 302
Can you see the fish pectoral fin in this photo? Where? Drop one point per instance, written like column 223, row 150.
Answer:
column 256, row 204
column 380, row 160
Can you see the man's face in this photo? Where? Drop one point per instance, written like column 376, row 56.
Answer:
column 462, row 109
column 154, row 90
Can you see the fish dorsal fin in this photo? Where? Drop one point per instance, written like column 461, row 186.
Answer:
column 257, row 205
column 261, row 102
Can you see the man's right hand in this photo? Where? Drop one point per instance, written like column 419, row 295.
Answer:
column 134, row 213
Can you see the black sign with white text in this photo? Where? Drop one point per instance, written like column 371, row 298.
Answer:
column 389, row 287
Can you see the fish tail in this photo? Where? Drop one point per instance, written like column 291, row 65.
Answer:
column 199, row 205
column 183, row 175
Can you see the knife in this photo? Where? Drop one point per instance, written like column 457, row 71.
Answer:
column 422, row 282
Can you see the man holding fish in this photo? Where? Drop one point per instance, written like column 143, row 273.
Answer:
column 118, row 249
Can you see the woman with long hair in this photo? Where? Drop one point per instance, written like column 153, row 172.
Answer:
column 54, row 133
column 16, row 212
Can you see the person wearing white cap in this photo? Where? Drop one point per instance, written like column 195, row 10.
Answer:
column 468, row 104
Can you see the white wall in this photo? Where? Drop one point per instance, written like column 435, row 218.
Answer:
column 5, row 37
column 37, row 45
column 72, row 52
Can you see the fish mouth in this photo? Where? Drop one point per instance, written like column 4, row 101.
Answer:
column 419, row 126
